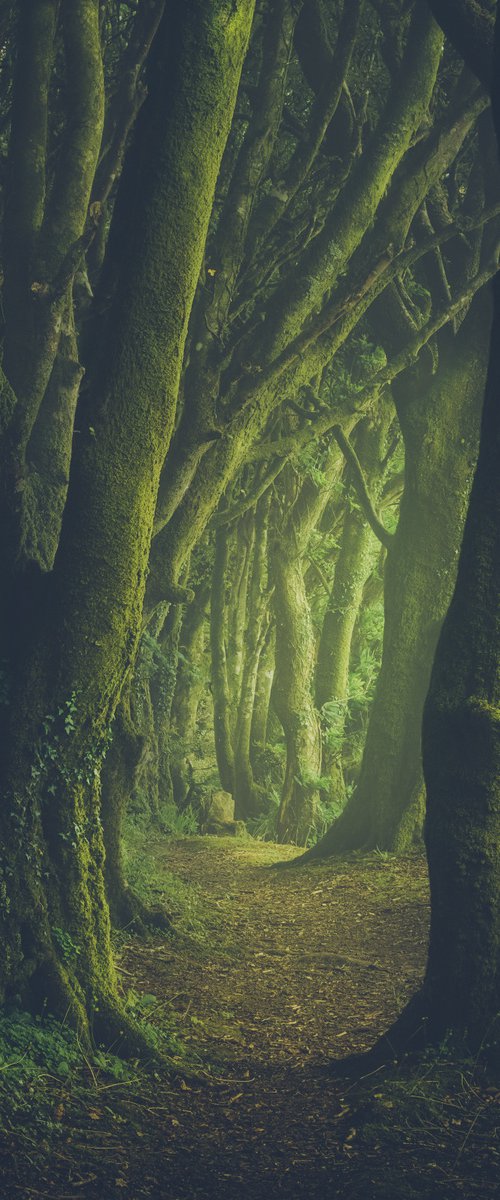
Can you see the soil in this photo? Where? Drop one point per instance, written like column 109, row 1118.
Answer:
column 296, row 969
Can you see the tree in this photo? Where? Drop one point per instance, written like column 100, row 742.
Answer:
column 461, row 753
column 439, row 417
column 69, row 637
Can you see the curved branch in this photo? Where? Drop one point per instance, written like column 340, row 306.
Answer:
column 361, row 487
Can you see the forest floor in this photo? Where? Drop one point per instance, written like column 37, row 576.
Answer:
column 268, row 979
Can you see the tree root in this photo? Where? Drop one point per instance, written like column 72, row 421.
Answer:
column 408, row 1037
column 115, row 1032
column 128, row 911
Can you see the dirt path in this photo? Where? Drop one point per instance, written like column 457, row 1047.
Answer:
column 305, row 966
column 279, row 975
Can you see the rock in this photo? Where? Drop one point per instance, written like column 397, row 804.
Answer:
column 219, row 807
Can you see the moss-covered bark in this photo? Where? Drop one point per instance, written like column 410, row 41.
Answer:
column 355, row 562
column 262, row 700
column 191, row 683
column 461, row 752
column 87, row 630
column 220, row 683
column 439, row 417
column 247, row 800
column 162, row 693
column 292, row 699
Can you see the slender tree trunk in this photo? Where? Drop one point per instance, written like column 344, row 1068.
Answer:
column 220, row 684
column 354, row 565
column 292, row 697
column 247, row 799
column 262, row 701
column 162, row 694
column 190, row 684
column 238, row 583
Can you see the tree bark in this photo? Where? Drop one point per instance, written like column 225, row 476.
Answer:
column 88, row 620
column 220, row 683
column 461, row 754
column 355, row 562
column 440, row 429
column 247, row 799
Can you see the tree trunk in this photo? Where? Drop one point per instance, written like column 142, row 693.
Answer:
column 190, row 684
column 461, row 752
column 220, row 684
column 162, row 694
column 354, row 565
column 247, row 799
column 292, row 697
column 54, row 916
column 262, row 701
column 440, row 429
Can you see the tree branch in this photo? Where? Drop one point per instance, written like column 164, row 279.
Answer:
column 470, row 29
column 67, row 213
column 323, row 111
column 361, row 487
column 25, row 203
column 124, row 104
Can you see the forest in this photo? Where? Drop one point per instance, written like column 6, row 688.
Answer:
column 249, row 599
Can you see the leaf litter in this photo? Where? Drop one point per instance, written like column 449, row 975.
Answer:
column 296, row 970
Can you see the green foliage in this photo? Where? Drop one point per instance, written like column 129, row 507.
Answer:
column 363, row 674
column 353, row 369
column 68, row 949
column 264, row 827
column 179, row 823
column 333, row 717
column 31, row 1045
column 156, row 885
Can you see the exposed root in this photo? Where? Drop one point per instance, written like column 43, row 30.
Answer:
column 116, row 1032
column 128, row 911
column 406, row 1038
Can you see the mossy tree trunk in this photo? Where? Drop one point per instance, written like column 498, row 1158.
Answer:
column 247, row 799
column 262, row 700
column 78, row 651
column 162, row 694
column 292, row 698
column 355, row 562
column 439, row 417
column 190, row 684
column 223, row 733
column 461, row 754
column 293, row 694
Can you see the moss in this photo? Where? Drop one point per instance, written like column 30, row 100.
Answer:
column 95, row 593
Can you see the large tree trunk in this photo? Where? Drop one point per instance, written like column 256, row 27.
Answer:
column 54, row 916
column 440, row 428
column 461, row 753
column 461, row 744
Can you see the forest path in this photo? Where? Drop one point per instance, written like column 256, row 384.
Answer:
column 300, row 967
column 266, row 979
